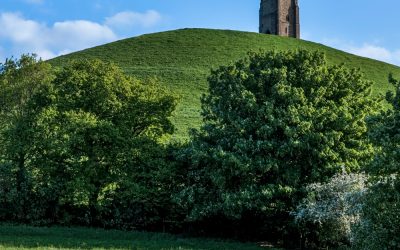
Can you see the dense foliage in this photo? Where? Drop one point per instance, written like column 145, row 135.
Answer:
column 22, row 86
column 80, row 145
column 346, row 210
column 86, row 144
column 380, row 224
column 274, row 123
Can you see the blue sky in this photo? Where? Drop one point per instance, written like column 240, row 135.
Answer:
column 54, row 27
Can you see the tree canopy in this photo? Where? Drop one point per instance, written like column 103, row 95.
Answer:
column 380, row 224
column 79, row 137
column 275, row 122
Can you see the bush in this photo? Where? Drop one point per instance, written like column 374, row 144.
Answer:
column 327, row 216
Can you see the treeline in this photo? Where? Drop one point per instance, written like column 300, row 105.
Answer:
column 292, row 150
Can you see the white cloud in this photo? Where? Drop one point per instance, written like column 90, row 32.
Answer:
column 18, row 29
column 129, row 19
column 48, row 41
column 77, row 34
column 30, row 36
column 370, row 50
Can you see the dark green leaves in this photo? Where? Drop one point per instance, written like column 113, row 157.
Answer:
column 79, row 138
column 274, row 122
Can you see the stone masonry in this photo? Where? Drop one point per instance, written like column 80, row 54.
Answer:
column 280, row 17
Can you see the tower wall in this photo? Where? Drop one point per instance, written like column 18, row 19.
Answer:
column 280, row 17
column 269, row 17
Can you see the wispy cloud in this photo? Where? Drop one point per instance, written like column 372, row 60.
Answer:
column 30, row 36
column 373, row 51
column 397, row 57
column 369, row 49
column 129, row 19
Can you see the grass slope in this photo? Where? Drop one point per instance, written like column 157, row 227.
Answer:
column 182, row 60
column 32, row 238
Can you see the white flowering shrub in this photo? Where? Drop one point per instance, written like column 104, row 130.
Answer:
column 326, row 217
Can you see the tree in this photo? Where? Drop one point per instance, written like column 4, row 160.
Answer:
column 380, row 224
column 98, row 131
column 81, row 142
column 275, row 122
column 22, row 84
column 385, row 133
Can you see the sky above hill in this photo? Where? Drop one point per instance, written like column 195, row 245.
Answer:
column 53, row 27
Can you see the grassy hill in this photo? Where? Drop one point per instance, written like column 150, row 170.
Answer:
column 182, row 60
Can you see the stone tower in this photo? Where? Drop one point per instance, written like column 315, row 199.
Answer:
column 280, row 17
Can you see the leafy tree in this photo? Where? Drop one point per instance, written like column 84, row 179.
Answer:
column 275, row 122
column 22, row 84
column 100, row 130
column 82, row 142
column 380, row 224
column 385, row 132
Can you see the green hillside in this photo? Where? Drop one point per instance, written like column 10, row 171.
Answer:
column 182, row 60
